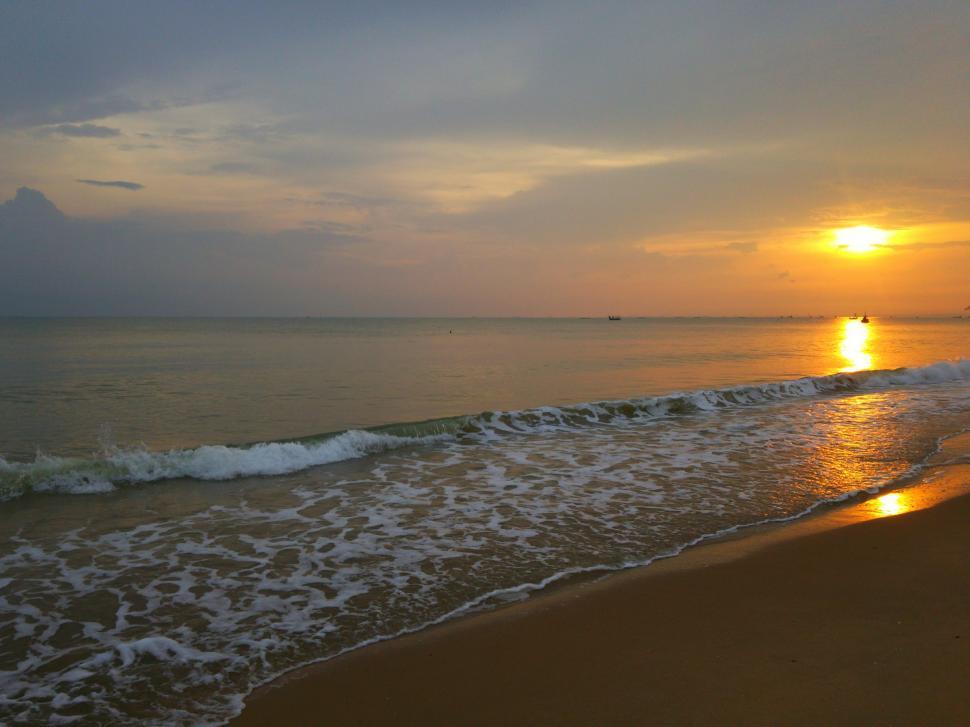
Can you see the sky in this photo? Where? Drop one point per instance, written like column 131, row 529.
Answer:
column 467, row 158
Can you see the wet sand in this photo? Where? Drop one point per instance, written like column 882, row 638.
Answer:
column 848, row 618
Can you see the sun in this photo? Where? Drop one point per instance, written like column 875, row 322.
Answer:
column 860, row 238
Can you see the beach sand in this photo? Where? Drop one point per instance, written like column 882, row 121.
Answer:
column 846, row 618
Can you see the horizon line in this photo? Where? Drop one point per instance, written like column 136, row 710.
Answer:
column 604, row 316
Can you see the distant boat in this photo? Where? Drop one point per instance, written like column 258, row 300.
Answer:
column 865, row 317
column 853, row 317
column 615, row 318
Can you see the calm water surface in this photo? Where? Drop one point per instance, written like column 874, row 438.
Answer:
column 68, row 386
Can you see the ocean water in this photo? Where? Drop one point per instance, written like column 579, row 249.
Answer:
column 192, row 507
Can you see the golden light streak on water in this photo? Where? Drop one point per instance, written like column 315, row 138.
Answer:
column 853, row 346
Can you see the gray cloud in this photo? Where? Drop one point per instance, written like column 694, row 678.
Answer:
column 661, row 73
column 742, row 247
column 254, row 132
column 134, row 147
column 132, row 186
column 68, row 110
column 52, row 264
column 64, row 63
column 234, row 168
column 29, row 206
column 565, row 71
column 84, row 130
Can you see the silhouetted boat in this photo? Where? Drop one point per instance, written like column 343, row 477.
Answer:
column 865, row 318
column 615, row 318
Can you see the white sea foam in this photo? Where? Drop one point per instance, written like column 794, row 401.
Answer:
column 210, row 462
column 163, row 649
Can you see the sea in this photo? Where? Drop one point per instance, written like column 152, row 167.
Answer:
column 190, row 508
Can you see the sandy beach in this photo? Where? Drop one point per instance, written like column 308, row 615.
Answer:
column 859, row 616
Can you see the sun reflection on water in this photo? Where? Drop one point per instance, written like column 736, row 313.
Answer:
column 852, row 347
column 892, row 503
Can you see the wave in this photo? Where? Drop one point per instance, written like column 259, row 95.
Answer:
column 209, row 462
column 224, row 462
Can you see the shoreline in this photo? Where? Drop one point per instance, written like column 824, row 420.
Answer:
column 474, row 668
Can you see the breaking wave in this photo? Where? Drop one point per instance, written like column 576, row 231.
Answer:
column 48, row 473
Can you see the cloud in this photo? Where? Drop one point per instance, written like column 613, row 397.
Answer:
column 742, row 247
column 641, row 73
column 133, row 186
column 927, row 245
column 67, row 64
column 731, row 194
column 495, row 127
column 234, row 168
column 53, row 264
column 68, row 110
column 253, row 132
column 93, row 131
column 27, row 206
